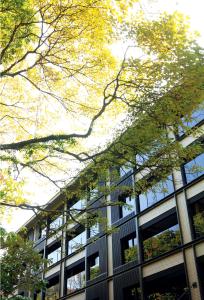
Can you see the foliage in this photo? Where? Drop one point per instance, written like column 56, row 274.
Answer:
column 198, row 221
column 169, row 74
column 161, row 243
column 130, row 254
column 20, row 265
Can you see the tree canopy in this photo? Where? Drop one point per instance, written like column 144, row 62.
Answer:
column 20, row 265
column 57, row 63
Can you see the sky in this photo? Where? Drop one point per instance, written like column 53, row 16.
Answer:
column 39, row 191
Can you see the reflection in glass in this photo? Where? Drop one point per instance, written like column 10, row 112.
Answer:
column 194, row 168
column 54, row 256
column 52, row 292
column 77, row 242
column 126, row 168
column 78, row 206
column 198, row 217
column 94, row 267
column 129, row 248
column 126, row 210
column 156, row 193
column 196, row 117
column 76, row 282
column 55, row 224
column 162, row 242
column 94, row 230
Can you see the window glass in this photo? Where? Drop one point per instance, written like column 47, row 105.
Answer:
column 77, row 242
column 156, row 193
column 55, row 224
column 52, row 292
column 197, row 116
column 162, row 242
column 126, row 210
column 93, row 193
column 94, row 266
column 54, row 256
column 132, row 293
column 94, row 230
column 194, row 168
column 125, row 169
column 75, row 282
column 78, row 206
column 129, row 248
column 198, row 218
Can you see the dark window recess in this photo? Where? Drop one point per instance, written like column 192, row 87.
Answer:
column 194, row 168
column 94, row 266
column 54, row 254
column 52, row 290
column 161, row 237
column 129, row 248
column 76, row 278
column 132, row 293
column 77, row 242
column 197, row 209
column 156, row 193
column 129, row 206
column 170, row 285
column 196, row 117
column 31, row 235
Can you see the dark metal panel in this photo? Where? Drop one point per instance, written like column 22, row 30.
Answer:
column 123, row 231
column 98, row 291
column 123, row 281
column 115, row 210
column 100, row 247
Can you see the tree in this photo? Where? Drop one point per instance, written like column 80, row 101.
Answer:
column 20, row 266
column 168, row 74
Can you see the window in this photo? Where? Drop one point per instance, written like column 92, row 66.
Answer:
column 76, row 278
column 125, row 169
column 129, row 206
column 129, row 248
column 77, row 242
column 156, row 193
column 132, row 293
column 94, row 268
column 94, row 230
column 196, row 117
column 161, row 237
column 56, row 223
column 54, row 256
column 198, row 218
column 31, row 235
column 52, row 292
column 78, row 206
column 93, row 192
column 194, row 168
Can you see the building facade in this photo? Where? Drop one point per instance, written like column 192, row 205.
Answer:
column 155, row 252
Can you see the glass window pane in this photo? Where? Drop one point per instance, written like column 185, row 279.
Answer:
column 125, row 169
column 52, row 293
column 56, row 223
column 197, row 116
column 54, row 256
column 194, row 168
column 94, row 230
column 126, row 210
column 75, row 282
column 77, row 242
column 162, row 242
column 156, row 193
